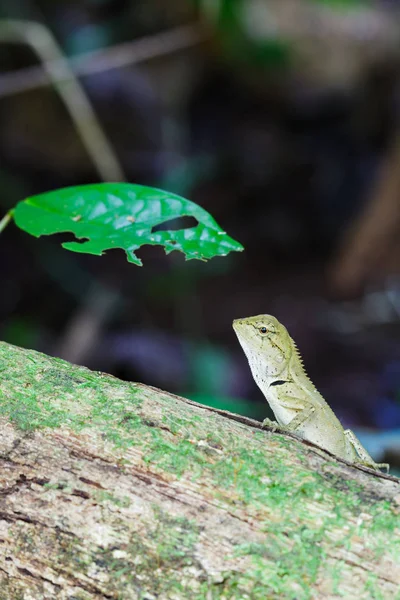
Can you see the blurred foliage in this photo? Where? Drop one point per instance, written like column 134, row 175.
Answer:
column 21, row 332
column 236, row 33
column 322, row 42
column 210, row 368
column 250, row 32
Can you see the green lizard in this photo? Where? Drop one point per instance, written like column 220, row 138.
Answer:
column 277, row 369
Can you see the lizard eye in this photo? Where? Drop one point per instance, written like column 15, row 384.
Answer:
column 263, row 330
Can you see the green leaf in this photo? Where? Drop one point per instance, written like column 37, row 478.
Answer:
column 122, row 215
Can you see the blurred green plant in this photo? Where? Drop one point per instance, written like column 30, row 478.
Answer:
column 251, row 32
column 237, row 24
column 121, row 215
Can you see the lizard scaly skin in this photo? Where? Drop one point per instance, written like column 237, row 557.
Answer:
column 277, row 369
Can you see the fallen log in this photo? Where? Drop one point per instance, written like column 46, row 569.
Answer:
column 116, row 490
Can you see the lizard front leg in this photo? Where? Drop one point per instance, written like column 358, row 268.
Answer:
column 269, row 423
column 303, row 409
column 361, row 455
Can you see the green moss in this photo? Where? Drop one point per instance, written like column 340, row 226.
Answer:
column 372, row 587
column 158, row 561
column 102, row 496
column 179, row 440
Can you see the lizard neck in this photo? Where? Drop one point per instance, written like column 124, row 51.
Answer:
column 297, row 372
column 265, row 371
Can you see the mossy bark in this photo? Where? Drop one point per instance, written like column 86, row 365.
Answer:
column 116, row 490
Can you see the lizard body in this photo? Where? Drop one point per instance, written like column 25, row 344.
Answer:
column 277, row 368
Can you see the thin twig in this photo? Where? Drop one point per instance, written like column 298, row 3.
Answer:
column 121, row 55
column 5, row 220
column 70, row 90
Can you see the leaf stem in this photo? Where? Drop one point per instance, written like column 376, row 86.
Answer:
column 6, row 219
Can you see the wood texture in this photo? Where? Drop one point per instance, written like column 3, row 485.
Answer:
column 114, row 490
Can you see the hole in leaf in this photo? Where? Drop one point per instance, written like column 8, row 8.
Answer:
column 176, row 224
column 67, row 236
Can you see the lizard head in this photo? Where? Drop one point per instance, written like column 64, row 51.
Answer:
column 266, row 343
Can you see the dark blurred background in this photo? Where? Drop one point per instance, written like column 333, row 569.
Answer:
column 281, row 118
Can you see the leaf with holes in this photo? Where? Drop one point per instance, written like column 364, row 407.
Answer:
column 123, row 215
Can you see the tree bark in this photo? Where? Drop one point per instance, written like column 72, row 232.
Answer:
column 115, row 490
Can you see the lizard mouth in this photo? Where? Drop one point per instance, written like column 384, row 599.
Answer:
column 238, row 322
column 239, row 325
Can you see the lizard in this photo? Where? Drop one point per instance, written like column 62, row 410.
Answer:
column 278, row 370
